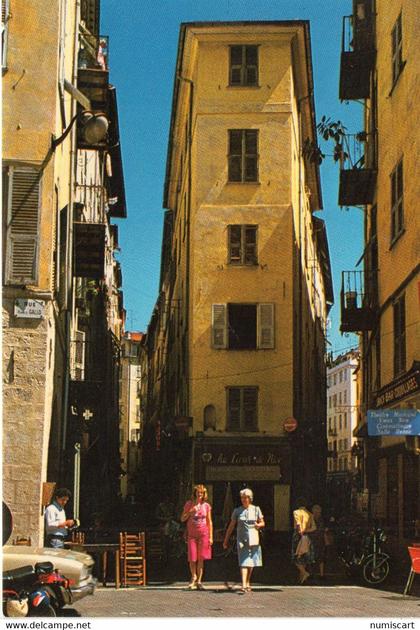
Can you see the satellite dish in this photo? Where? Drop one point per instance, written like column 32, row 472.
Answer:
column 7, row 523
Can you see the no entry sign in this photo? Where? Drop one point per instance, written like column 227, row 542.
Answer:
column 290, row 424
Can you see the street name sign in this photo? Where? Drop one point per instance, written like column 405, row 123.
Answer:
column 393, row 422
column 30, row 309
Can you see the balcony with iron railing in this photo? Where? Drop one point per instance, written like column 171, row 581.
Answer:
column 358, row 173
column 358, row 310
column 357, row 52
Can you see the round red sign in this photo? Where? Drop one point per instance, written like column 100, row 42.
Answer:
column 290, row 424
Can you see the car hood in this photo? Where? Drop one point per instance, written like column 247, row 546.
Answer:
column 72, row 564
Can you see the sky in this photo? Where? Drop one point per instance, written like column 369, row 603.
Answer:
column 142, row 54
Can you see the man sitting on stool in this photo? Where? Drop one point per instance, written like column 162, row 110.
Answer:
column 56, row 523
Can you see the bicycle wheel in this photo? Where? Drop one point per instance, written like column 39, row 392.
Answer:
column 376, row 573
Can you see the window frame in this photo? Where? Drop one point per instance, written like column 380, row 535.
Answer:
column 397, row 201
column 264, row 330
column 241, row 261
column 242, row 425
column 243, row 66
column 396, row 49
column 399, row 341
column 243, row 157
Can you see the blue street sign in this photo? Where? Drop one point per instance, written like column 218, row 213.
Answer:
column 393, row 422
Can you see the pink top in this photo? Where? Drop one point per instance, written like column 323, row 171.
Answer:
column 197, row 523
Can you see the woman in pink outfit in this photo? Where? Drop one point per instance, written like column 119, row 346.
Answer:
column 197, row 515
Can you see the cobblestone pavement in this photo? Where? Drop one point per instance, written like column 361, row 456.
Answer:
column 264, row 601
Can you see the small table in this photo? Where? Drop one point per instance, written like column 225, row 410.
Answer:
column 101, row 549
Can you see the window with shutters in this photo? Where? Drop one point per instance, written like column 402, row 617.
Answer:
column 397, row 202
column 22, row 192
column 243, row 66
column 243, row 326
column 399, row 336
column 78, row 355
column 397, row 59
column 5, row 14
column 242, row 408
column 242, row 248
column 243, row 155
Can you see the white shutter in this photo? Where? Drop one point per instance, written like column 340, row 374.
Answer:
column 265, row 326
column 219, row 326
column 79, row 354
column 23, row 203
column 4, row 31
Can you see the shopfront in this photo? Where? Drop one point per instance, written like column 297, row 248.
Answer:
column 226, row 466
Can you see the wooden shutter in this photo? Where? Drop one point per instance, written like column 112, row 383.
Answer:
column 235, row 233
column 4, row 31
column 79, row 355
column 265, row 324
column 249, row 404
column 251, row 156
column 250, row 254
column 234, row 409
column 23, row 208
column 219, row 326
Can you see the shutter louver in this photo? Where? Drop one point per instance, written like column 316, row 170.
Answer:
column 265, row 326
column 23, row 225
column 234, row 409
column 219, row 326
column 250, row 408
column 4, row 11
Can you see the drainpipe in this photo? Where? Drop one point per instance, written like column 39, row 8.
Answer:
column 188, row 221
column 69, row 294
column 188, row 252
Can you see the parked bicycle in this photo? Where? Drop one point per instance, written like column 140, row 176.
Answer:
column 363, row 554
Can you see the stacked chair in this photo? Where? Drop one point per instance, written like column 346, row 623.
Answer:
column 133, row 559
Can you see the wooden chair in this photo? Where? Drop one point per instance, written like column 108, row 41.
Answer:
column 133, row 559
column 415, row 567
column 78, row 537
column 23, row 540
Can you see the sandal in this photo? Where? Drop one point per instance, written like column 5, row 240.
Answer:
column 193, row 585
column 248, row 589
column 200, row 586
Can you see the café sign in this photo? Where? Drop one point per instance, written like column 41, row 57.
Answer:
column 393, row 422
column 407, row 385
column 29, row 309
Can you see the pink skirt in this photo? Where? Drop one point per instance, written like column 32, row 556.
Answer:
column 199, row 547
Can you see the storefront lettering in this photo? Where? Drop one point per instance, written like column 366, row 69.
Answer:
column 397, row 392
column 246, row 459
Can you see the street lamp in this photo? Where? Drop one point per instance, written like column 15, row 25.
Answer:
column 94, row 127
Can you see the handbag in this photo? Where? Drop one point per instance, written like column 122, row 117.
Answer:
column 254, row 534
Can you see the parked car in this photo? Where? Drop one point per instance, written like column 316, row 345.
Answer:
column 77, row 567
column 74, row 565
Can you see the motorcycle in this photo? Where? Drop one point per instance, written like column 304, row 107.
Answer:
column 38, row 591
column 362, row 553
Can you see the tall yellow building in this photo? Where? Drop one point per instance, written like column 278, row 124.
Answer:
column 62, row 311
column 236, row 342
column 381, row 66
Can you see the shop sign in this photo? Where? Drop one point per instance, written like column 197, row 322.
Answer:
column 29, row 309
column 399, row 389
column 393, row 422
column 236, row 458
